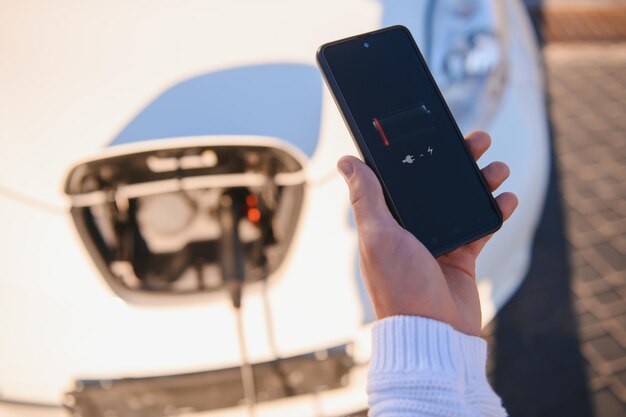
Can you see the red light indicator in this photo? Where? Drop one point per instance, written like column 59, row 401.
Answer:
column 251, row 200
column 254, row 215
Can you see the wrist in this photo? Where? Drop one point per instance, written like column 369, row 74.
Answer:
column 419, row 344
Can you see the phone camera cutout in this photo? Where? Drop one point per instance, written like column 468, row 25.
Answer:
column 366, row 44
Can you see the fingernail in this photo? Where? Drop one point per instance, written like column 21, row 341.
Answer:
column 345, row 168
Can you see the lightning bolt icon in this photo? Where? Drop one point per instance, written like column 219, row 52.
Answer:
column 430, row 150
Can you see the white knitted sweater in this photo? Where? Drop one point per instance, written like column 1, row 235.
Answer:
column 422, row 367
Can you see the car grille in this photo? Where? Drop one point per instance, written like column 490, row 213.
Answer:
column 210, row 390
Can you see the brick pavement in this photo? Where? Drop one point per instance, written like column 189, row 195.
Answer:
column 559, row 346
column 579, row 20
column 588, row 86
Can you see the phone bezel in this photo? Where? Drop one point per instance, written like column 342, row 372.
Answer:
column 365, row 154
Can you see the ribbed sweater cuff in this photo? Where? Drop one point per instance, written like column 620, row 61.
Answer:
column 413, row 344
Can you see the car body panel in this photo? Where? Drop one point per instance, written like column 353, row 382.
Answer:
column 79, row 78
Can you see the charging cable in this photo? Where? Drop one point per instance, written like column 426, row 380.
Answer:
column 232, row 262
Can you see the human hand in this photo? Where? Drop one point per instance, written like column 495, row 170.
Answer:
column 401, row 276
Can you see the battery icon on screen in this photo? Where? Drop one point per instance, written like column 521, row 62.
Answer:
column 404, row 124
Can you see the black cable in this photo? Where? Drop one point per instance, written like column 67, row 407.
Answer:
column 282, row 376
column 247, row 374
column 232, row 263
column 287, row 386
column 34, row 404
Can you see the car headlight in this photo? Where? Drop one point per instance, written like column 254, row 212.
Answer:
column 465, row 49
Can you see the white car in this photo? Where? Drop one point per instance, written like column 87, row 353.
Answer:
column 164, row 162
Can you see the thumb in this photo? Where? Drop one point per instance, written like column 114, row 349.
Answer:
column 366, row 194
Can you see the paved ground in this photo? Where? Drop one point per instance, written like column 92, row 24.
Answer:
column 567, row 21
column 573, row 3
column 559, row 346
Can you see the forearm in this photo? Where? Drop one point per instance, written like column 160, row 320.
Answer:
column 422, row 367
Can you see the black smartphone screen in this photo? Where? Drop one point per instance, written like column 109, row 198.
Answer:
column 406, row 132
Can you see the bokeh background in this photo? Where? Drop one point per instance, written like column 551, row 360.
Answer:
column 559, row 345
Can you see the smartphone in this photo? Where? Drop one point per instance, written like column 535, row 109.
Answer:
column 405, row 132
